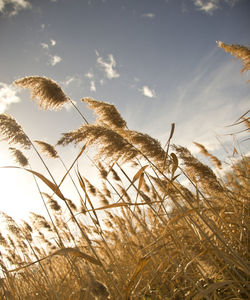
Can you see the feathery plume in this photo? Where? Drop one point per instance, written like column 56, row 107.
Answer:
column 27, row 231
column 205, row 175
column 11, row 225
column 111, row 144
column 239, row 51
column 13, row 132
column 115, row 175
column 213, row 158
column 48, row 149
column 71, row 204
column 19, row 157
column 52, row 202
column 107, row 113
column 47, row 91
column 102, row 171
column 90, row 187
column 3, row 241
column 40, row 222
column 150, row 147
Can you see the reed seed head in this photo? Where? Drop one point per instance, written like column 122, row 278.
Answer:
column 19, row 157
column 52, row 202
column 48, row 149
column 13, row 132
column 239, row 51
column 214, row 159
column 40, row 222
column 111, row 144
column 149, row 147
column 196, row 168
column 107, row 113
column 48, row 92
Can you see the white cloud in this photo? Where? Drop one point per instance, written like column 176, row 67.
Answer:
column 89, row 75
column 55, row 59
column 44, row 46
column 92, row 86
column 12, row 7
column 148, row 15
column 73, row 80
column 146, row 91
column 8, row 95
column 209, row 6
column 52, row 42
column 69, row 80
column 108, row 66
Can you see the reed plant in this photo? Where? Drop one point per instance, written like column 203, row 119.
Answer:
column 138, row 232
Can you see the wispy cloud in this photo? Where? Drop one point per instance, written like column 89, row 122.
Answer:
column 44, row 46
column 108, row 66
column 89, row 75
column 148, row 15
column 209, row 6
column 206, row 104
column 92, row 86
column 213, row 96
column 8, row 95
column 146, row 91
column 55, row 59
column 52, row 42
column 13, row 7
column 69, row 80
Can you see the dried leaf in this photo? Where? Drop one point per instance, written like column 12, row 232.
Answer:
column 141, row 265
column 63, row 251
column 77, row 253
column 50, row 184
column 138, row 174
column 175, row 163
column 80, row 153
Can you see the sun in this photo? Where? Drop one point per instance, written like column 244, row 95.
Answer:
column 18, row 192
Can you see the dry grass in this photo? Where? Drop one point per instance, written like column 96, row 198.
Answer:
column 149, row 237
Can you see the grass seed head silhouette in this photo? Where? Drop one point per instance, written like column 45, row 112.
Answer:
column 239, row 51
column 48, row 92
column 13, row 132
column 107, row 114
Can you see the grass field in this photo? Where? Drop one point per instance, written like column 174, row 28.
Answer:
column 138, row 232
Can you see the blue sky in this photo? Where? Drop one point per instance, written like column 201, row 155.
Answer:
column 156, row 60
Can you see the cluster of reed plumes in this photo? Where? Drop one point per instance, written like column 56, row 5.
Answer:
column 135, row 233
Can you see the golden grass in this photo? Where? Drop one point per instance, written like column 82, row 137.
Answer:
column 136, row 234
